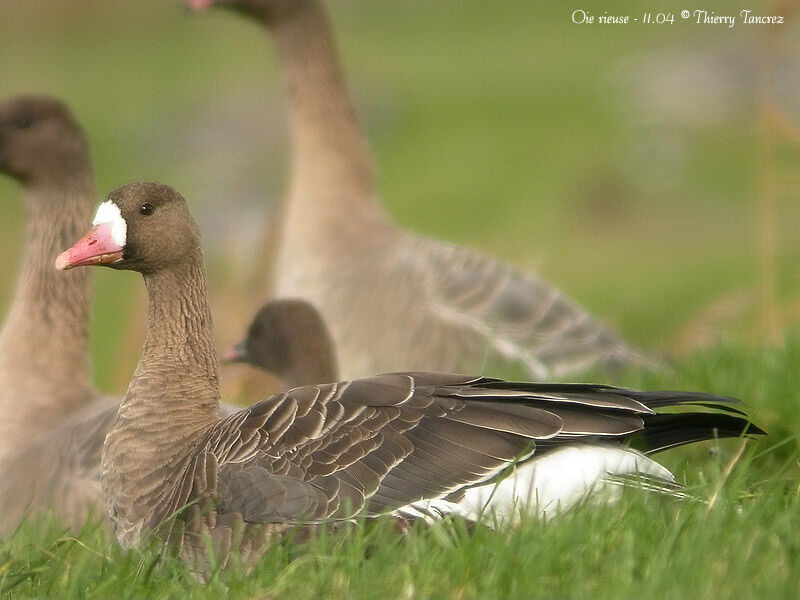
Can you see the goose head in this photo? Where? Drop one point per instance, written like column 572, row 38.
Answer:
column 143, row 227
column 289, row 339
column 40, row 140
column 263, row 9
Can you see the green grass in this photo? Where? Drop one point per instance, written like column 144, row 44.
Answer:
column 736, row 537
column 603, row 157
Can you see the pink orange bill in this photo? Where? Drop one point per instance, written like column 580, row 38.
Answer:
column 199, row 4
column 236, row 354
column 95, row 248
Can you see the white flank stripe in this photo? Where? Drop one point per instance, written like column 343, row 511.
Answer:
column 558, row 481
column 546, row 486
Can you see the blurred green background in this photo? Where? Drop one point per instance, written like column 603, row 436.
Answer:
column 624, row 163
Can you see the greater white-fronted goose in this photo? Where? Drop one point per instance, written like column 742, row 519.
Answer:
column 53, row 421
column 325, row 452
column 288, row 338
column 394, row 300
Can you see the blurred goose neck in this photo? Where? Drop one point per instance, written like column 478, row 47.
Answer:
column 331, row 161
column 44, row 340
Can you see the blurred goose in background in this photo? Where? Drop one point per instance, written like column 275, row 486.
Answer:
column 394, row 300
column 53, row 421
column 288, row 338
column 317, row 454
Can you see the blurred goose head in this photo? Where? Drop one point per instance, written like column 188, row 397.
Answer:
column 40, row 141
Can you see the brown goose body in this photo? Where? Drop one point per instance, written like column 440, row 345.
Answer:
column 459, row 309
column 288, row 338
column 317, row 453
column 54, row 421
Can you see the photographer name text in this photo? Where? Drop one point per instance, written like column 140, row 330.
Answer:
column 698, row 16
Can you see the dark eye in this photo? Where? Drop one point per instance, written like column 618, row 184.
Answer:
column 22, row 122
column 146, row 209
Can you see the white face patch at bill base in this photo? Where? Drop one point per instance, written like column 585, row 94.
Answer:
column 108, row 212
